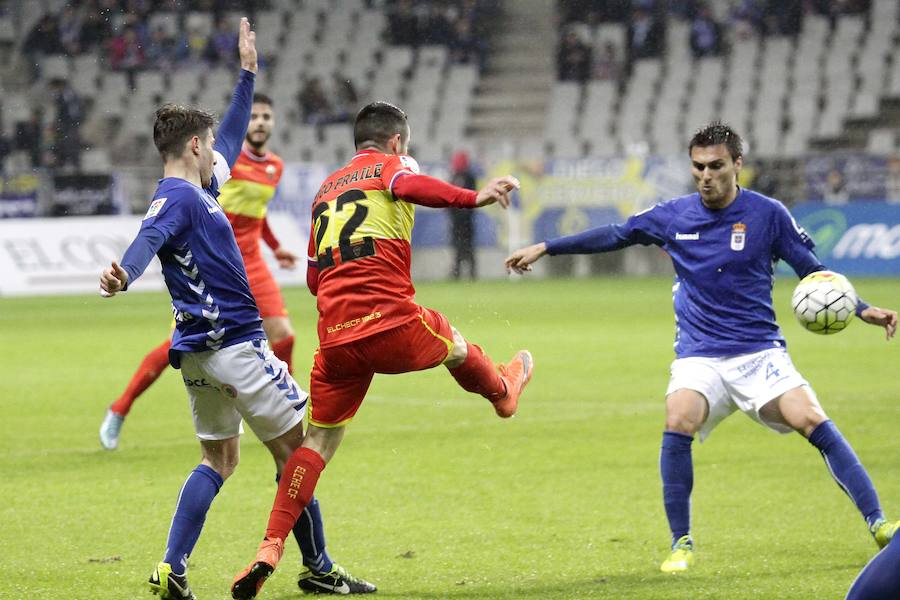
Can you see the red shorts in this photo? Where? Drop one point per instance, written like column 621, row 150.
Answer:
column 264, row 288
column 341, row 374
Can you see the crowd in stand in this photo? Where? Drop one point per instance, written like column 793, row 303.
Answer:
column 461, row 25
column 645, row 20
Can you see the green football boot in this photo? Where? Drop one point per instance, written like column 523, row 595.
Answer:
column 681, row 557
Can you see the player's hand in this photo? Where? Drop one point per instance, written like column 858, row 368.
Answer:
column 247, row 46
column 286, row 258
column 881, row 317
column 521, row 260
column 497, row 190
column 113, row 280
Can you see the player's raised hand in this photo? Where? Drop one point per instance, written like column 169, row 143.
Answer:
column 881, row 317
column 112, row 280
column 286, row 258
column 497, row 190
column 521, row 260
column 247, row 46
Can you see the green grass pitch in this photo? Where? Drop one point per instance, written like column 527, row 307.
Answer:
column 431, row 496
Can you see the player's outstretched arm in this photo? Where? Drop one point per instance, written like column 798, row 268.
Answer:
column 882, row 318
column 234, row 123
column 521, row 260
column 112, row 280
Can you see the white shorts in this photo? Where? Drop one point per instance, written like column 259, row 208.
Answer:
column 242, row 381
column 746, row 382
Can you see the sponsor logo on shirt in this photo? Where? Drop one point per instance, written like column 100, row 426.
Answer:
column 410, row 163
column 353, row 322
column 738, row 236
column 687, row 236
column 155, row 207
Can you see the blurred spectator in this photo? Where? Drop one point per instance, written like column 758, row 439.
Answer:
column 607, row 66
column 42, row 40
column 196, row 43
column 67, row 129
column 403, row 24
column 835, row 188
column 314, row 105
column 70, row 24
column 573, row 58
column 783, row 17
column 30, row 137
column 96, row 29
column 462, row 220
column 345, row 98
column 161, row 50
column 646, row 35
column 222, row 43
column 126, row 53
column 706, row 34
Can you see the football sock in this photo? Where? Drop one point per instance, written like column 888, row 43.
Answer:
column 284, row 349
column 846, row 469
column 295, row 491
column 309, row 531
column 677, row 470
column 478, row 374
column 148, row 372
column 196, row 495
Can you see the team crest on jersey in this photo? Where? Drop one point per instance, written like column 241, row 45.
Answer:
column 270, row 171
column 738, row 236
column 410, row 163
column 155, row 207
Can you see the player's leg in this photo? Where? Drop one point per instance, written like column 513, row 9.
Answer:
column 472, row 369
column 281, row 337
column 338, row 384
column 320, row 573
column 686, row 411
column 150, row 369
column 880, row 579
column 799, row 409
column 218, row 427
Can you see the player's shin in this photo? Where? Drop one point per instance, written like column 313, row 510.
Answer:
column 677, row 471
column 477, row 374
column 846, row 469
column 309, row 531
column 194, row 501
column 295, row 491
column 149, row 371
column 284, row 350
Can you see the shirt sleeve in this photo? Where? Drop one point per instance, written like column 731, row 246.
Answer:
column 432, row 192
column 165, row 219
column 397, row 166
column 233, row 127
column 645, row 228
column 793, row 245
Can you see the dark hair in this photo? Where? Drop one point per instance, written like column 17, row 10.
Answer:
column 717, row 133
column 377, row 122
column 259, row 98
column 175, row 125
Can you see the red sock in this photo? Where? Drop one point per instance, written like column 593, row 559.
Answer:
column 478, row 374
column 295, row 490
column 284, row 349
column 151, row 368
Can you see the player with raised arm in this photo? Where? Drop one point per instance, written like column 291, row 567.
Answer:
column 359, row 269
column 219, row 344
column 244, row 197
column 730, row 353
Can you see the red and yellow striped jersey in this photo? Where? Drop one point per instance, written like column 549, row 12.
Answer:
column 360, row 247
column 245, row 197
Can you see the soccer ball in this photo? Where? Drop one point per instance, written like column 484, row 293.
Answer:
column 824, row 302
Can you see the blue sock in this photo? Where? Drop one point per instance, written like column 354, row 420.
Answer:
column 846, row 469
column 677, row 472
column 196, row 495
column 309, row 531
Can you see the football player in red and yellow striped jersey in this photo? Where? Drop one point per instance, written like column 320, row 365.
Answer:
column 369, row 322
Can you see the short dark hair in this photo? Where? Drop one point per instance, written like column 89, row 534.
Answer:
column 377, row 122
column 175, row 125
column 259, row 98
column 717, row 133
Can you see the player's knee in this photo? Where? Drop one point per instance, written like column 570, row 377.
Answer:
column 459, row 352
column 682, row 423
